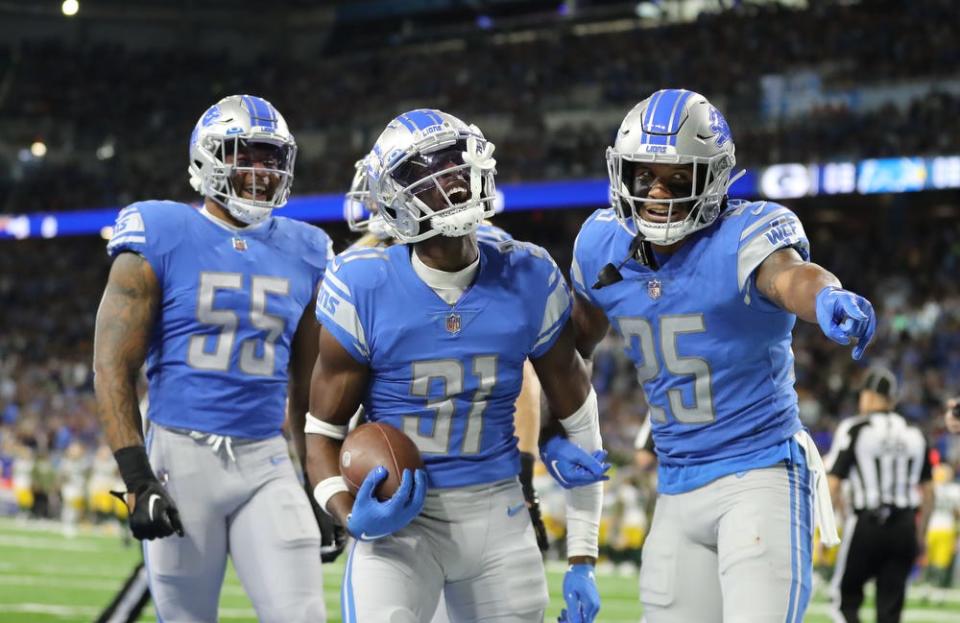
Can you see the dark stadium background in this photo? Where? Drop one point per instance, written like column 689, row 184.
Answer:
column 96, row 110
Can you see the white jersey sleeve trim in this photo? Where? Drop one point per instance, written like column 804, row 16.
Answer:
column 752, row 254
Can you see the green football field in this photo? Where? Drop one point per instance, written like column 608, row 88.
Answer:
column 45, row 577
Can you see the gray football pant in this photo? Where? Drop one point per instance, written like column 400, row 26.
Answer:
column 737, row 550
column 253, row 508
column 475, row 544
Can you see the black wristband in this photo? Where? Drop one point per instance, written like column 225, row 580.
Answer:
column 134, row 467
column 526, row 474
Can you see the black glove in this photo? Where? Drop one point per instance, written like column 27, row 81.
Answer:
column 154, row 514
column 533, row 500
column 333, row 536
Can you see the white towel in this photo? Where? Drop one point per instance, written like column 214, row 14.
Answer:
column 822, row 504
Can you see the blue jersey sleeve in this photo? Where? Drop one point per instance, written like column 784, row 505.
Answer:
column 150, row 229
column 764, row 227
column 488, row 232
column 312, row 244
column 549, row 295
column 345, row 297
column 587, row 249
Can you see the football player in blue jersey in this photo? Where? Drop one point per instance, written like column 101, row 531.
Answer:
column 362, row 215
column 431, row 337
column 219, row 303
column 705, row 292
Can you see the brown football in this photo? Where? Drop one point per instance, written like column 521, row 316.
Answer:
column 372, row 444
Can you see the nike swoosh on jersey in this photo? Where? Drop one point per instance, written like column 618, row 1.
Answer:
column 513, row 510
column 366, row 537
column 153, row 500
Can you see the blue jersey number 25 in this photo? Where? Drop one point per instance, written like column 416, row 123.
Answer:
column 701, row 411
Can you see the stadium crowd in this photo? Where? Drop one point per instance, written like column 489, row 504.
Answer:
column 549, row 99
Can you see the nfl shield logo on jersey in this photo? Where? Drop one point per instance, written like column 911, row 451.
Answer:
column 653, row 288
column 239, row 244
column 453, row 323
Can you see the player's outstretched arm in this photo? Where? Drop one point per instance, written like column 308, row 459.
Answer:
column 336, row 391
column 566, row 384
column 124, row 324
column 814, row 294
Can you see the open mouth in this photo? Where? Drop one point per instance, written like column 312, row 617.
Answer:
column 257, row 194
column 457, row 192
column 660, row 214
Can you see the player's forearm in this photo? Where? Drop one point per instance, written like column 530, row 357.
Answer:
column 795, row 288
column 118, row 406
column 323, row 463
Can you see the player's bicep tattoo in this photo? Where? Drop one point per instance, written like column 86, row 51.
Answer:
column 123, row 328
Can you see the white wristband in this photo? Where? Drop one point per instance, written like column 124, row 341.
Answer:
column 584, row 504
column 583, row 425
column 326, row 489
column 316, row 426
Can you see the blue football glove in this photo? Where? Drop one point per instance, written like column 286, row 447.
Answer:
column 572, row 466
column 843, row 315
column 371, row 519
column 581, row 595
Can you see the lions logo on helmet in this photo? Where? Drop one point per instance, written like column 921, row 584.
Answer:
column 431, row 174
column 672, row 126
column 223, row 134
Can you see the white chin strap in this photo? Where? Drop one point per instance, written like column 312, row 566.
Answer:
column 664, row 233
column 246, row 213
column 464, row 221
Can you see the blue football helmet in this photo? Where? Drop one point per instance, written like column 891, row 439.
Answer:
column 672, row 126
column 225, row 129
column 431, row 174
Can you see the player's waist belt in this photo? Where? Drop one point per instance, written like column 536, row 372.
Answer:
column 215, row 441
column 822, row 505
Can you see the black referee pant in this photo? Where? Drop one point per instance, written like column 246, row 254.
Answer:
column 883, row 546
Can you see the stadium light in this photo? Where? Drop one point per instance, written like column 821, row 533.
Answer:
column 70, row 7
column 106, row 151
column 38, row 149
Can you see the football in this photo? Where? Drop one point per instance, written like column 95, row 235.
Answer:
column 372, row 444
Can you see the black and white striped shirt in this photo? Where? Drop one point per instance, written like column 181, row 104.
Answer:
column 884, row 458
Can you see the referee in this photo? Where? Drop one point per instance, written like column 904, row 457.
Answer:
column 886, row 461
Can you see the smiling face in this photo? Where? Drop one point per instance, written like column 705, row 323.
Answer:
column 663, row 182
column 257, row 169
column 431, row 176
